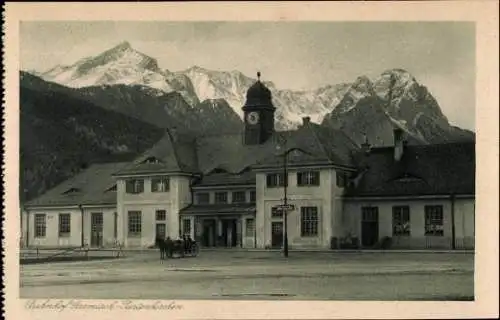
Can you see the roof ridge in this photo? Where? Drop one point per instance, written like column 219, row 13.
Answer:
column 319, row 141
column 174, row 149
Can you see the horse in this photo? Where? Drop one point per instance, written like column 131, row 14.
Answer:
column 165, row 246
column 181, row 247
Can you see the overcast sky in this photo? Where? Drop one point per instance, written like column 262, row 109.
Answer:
column 294, row 55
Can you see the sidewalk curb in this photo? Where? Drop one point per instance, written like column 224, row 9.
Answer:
column 312, row 251
column 240, row 250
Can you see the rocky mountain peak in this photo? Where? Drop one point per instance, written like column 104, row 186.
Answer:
column 122, row 46
column 362, row 83
column 410, row 103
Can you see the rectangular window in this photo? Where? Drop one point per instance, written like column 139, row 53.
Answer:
column 309, row 221
column 186, row 227
column 276, row 212
column 40, row 225
column 434, row 220
column 134, row 223
column 221, row 197
column 161, row 215
column 64, row 224
column 401, row 221
column 253, row 196
column 308, row 178
column 274, row 180
column 160, row 184
column 239, row 196
column 134, row 186
column 250, row 227
column 203, row 198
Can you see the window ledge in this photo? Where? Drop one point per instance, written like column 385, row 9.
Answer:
column 134, row 235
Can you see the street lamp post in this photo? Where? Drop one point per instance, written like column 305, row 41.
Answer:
column 285, row 199
column 282, row 143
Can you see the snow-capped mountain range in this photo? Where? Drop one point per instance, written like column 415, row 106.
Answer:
column 410, row 103
column 125, row 65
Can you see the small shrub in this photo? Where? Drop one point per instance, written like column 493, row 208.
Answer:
column 385, row 243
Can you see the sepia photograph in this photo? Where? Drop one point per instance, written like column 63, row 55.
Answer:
column 245, row 161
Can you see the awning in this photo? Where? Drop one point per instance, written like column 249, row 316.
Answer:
column 215, row 209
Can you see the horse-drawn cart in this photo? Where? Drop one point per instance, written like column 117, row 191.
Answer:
column 178, row 248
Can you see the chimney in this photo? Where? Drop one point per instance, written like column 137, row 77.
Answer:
column 306, row 121
column 399, row 144
column 365, row 146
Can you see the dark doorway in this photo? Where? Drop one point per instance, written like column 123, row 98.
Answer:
column 277, row 234
column 369, row 226
column 96, row 222
column 161, row 232
column 209, row 232
column 229, row 232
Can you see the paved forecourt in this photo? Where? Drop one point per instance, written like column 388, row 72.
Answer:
column 257, row 275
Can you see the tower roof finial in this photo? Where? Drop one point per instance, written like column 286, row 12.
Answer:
column 258, row 75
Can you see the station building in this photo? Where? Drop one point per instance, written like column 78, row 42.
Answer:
column 228, row 191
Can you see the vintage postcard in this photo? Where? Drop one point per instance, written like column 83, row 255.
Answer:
column 251, row 160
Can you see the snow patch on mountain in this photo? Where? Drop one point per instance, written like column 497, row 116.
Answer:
column 124, row 65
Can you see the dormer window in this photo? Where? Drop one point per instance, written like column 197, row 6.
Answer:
column 152, row 160
column 71, row 191
column 161, row 184
column 308, row 178
column 219, row 170
column 111, row 189
column 134, row 186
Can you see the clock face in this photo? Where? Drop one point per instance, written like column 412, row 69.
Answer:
column 253, row 117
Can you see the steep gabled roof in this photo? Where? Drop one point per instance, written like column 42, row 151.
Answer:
column 312, row 144
column 439, row 169
column 229, row 152
column 183, row 153
column 173, row 153
column 92, row 186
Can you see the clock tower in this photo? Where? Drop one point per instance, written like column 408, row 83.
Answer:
column 258, row 113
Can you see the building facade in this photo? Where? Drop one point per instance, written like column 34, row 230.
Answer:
column 228, row 191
